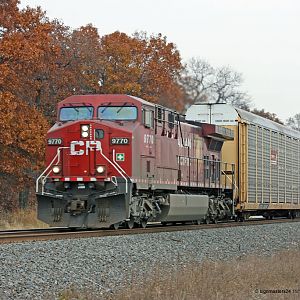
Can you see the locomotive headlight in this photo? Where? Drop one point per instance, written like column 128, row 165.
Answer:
column 85, row 131
column 85, row 128
column 100, row 169
column 56, row 169
column 84, row 134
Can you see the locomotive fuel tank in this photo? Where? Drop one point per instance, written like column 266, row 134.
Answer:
column 183, row 207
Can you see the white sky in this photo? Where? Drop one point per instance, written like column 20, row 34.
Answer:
column 259, row 38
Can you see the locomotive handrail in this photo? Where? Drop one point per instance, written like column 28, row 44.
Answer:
column 116, row 167
column 114, row 160
column 57, row 156
column 210, row 161
column 232, row 181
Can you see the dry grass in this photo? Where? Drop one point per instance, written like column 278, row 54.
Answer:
column 249, row 277
column 20, row 219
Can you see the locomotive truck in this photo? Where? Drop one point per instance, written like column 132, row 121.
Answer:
column 119, row 160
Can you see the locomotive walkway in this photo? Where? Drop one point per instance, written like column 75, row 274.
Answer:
column 15, row 236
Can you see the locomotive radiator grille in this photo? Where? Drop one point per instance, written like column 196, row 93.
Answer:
column 103, row 214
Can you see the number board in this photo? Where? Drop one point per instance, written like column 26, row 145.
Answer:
column 54, row 141
column 119, row 141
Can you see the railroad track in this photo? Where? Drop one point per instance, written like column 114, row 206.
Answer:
column 13, row 236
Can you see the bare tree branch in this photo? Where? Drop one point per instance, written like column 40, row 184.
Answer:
column 294, row 122
column 203, row 83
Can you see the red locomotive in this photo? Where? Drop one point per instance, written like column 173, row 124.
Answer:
column 119, row 160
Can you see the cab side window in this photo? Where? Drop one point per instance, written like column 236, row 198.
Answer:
column 148, row 118
column 171, row 120
column 99, row 134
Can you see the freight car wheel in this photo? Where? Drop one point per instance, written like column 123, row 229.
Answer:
column 207, row 221
column 144, row 223
column 115, row 226
column 130, row 224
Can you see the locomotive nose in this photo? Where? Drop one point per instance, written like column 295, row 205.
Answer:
column 86, row 142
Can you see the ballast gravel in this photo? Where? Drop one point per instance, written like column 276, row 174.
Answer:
column 43, row 269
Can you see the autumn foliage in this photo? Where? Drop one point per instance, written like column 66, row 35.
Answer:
column 43, row 61
column 143, row 66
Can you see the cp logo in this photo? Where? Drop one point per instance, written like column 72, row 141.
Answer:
column 83, row 147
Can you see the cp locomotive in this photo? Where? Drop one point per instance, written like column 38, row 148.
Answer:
column 119, row 160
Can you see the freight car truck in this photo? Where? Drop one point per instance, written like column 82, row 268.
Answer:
column 267, row 159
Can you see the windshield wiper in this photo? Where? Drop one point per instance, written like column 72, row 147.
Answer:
column 121, row 107
column 90, row 109
column 106, row 107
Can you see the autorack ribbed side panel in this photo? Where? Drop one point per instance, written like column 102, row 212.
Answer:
column 273, row 164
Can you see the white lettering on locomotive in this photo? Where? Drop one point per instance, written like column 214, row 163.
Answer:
column 148, row 138
column 187, row 142
column 81, row 147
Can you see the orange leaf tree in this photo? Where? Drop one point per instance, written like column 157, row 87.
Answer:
column 147, row 67
column 22, row 126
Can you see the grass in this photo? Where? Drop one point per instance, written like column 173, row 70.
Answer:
column 249, row 277
column 20, row 219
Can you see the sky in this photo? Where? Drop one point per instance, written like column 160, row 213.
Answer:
column 258, row 38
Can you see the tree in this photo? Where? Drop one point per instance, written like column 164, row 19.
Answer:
column 267, row 115
column 203, row 83
column 120, row 61
column 22, row 126
column 161, row 69
column 147, row 67
column 85, row 49
column 22, row 146
column 294, row 122
column 198, row 79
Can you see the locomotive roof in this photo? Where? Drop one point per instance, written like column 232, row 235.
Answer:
column 98, row 99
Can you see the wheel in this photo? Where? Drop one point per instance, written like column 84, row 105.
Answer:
column 197, row 222
column 130, row 224
column 115, row 226
column 164, row 223
column 207, row 221
column 144, row 223
column 215, row 221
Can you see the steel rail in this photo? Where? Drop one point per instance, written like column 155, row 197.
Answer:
column 14, row 236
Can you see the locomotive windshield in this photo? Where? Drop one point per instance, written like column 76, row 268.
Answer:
column 76, row 113
column 121, row 113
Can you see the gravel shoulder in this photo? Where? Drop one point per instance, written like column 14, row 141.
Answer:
column 37, row 270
